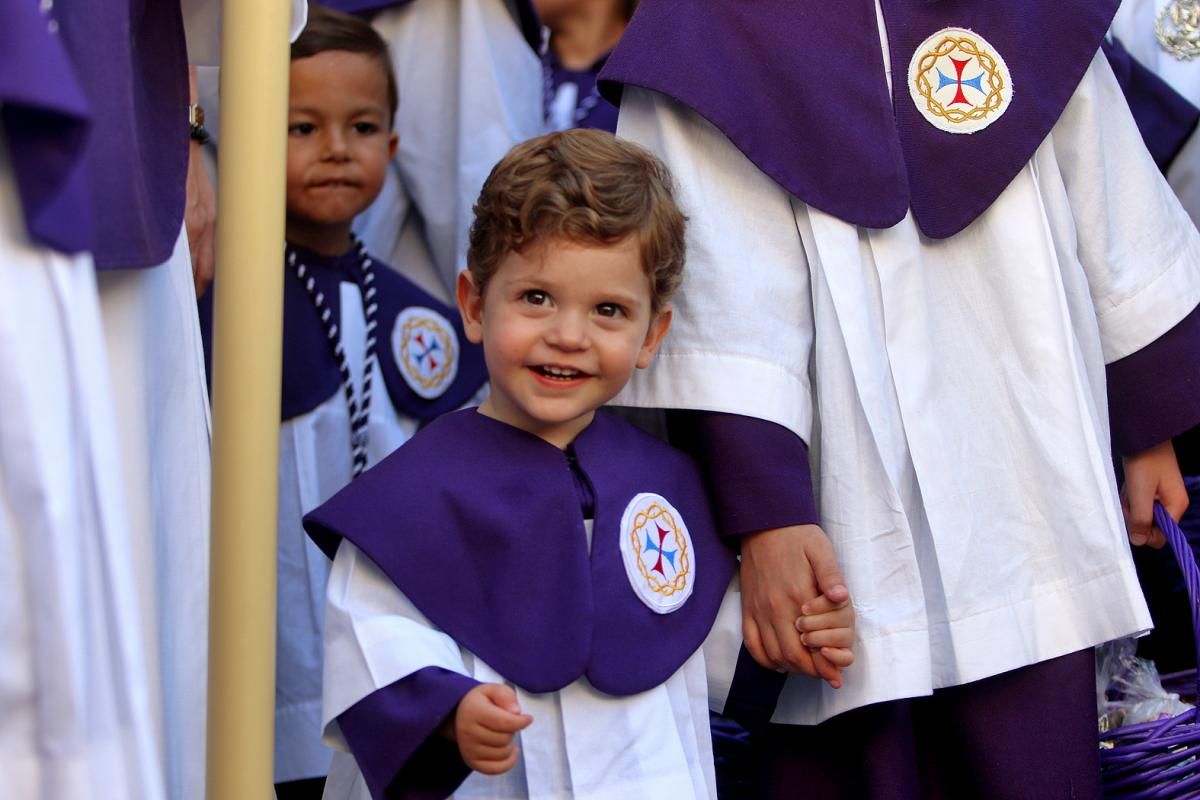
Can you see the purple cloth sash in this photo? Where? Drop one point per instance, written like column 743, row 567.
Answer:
column 798, row 86
column 45, row 116
column 478, row 523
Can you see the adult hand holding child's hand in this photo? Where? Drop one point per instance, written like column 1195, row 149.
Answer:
column 783, row 571
column 485, row 726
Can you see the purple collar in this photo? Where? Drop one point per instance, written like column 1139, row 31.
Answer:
column 478, row 523
column 798, row 86
column 45, row 117
column 310, row 370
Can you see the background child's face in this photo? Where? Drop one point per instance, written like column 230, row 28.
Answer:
column 339, row 137
column 562, row 326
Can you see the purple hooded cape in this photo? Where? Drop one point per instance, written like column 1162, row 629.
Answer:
column 799, row 87
column 310, row 370
column 492, row 511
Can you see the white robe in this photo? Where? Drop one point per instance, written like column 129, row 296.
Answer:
column 1134, row 26
column 104, row 511
column 78, row 692
column 952, row 392
column 582, row 744
column 470, row 88
column 314, row 463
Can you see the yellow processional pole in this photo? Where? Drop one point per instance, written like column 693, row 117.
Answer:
column 248, row 331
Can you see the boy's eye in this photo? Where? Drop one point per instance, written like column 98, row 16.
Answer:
column 535, row 297
column 366, row 128
column 609, row 310
column 301, row 129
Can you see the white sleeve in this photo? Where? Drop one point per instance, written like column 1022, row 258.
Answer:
column 1138, row 247
column 373, row 637
column 742, row 334
column 202, row 25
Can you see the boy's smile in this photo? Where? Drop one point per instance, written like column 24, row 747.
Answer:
column 563, row 326
column 339, row 145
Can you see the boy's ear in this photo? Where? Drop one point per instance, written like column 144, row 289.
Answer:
column 470, row 306
column 654, row 337
column 393, row 143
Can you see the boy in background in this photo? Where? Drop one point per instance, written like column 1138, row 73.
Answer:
column 367, row 355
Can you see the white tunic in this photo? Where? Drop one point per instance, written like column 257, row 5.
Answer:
column 470, row 88
column 952, row 392
column 582, row 744
column 78, row 690
column 314, row 463
column 1134, row 26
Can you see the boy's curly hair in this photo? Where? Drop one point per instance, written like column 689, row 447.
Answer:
column 586, row 187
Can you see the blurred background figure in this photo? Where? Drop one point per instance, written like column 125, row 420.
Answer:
column 581, row 35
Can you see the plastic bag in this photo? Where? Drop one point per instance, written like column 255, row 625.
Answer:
column 1128, row 688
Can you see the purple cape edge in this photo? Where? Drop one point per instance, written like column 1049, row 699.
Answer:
column 873, row 157
column 492, row 511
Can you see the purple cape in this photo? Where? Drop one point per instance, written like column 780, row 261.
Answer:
column 478, row 523
column 131, row 60
column 310, row 371
column 799, row 87
column 45, row 115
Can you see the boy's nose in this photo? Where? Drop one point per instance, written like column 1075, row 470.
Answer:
column 335, row 145
column 568, row 331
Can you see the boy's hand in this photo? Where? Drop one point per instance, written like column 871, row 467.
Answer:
column 485, row 724
column 782, row 569
column 1151, row 475
column 827, row 628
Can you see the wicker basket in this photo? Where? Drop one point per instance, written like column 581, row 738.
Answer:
column 1159, row 759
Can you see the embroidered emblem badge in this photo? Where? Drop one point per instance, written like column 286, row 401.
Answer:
column 958, row 81
column 425, row 348
column 1178, row 29
column 660, row 561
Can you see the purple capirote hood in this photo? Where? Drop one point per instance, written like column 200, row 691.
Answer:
column 478, row 523
column 799, row 87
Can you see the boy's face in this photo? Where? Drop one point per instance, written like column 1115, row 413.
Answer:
column 339, row 140
column 562, row 326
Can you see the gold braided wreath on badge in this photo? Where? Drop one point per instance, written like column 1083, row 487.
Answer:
column 657, row 551
column 652, row 514
column 425, row 347
column 992, row 101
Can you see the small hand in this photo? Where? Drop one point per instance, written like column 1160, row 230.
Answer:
column 486, row 723
column 1151, row 475
column 827, row 628
column 781, row 570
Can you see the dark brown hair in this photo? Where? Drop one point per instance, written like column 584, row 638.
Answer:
column 332, row 30
column 585, row 187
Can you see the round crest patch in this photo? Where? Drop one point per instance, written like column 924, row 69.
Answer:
column 660, row 561
column 958, row 81
column 425, row 348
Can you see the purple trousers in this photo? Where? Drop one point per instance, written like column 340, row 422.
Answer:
column 1029, row 734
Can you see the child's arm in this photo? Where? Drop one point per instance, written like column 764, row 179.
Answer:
column 485, row 725
column 782, row 569
column 1151, row 475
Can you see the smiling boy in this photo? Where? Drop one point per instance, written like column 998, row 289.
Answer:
column 367, row 355
column 532, row 573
